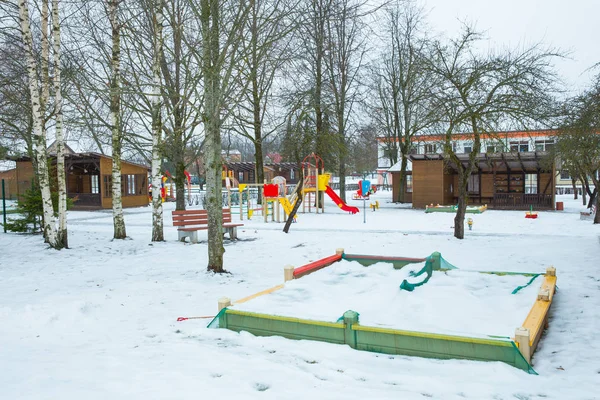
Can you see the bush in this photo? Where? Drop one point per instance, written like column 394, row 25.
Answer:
column 31, row 209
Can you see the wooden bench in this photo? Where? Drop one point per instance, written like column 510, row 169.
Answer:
column 189, row 222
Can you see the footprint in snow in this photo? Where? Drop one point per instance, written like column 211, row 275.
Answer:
column 261, row 387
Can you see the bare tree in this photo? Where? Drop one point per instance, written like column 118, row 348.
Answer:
column 346, row 43
column 221, row 26
column 115, row 116
column 578, row 144
column 267, row 42
column 38, row 101
column 478, row 93
column 403, row 85
column 60, row 140
column 157, row 209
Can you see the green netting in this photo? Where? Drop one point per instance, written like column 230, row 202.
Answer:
column 435, row 262
column 527, row 284
column 214, row 324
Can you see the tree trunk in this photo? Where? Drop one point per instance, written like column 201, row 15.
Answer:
column 574, row 183
column 260, row 168
column 115, row 116
column 597, row 217
column 60, row 142
column 402, row 189
column 179, row 156
column 39, row 139
column 180, row 184
column 459, row 219
column 157, row 208
column 593, row 198
column 212, row 122
column 343, row 179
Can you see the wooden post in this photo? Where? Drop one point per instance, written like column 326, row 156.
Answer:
column 522, row 338
column 288, row 273
column 339, row 251
column 224, row 302
column 550, row 271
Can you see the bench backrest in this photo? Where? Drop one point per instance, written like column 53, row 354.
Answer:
column 196, row 217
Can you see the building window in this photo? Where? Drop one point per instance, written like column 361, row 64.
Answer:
column 531, row 183
column 251, row 176
column 130, row 184
column 564, row 174
column 473, row 184
column 430, row 148
column 95, row 184
column 241, row 176
column 544, row 145
column 454, row 147
column 468, row 149
column 107, row 182
column 409, row 184
column 292, row 174
column 520, row 147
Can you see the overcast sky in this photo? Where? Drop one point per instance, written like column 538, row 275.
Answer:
column 570, row 25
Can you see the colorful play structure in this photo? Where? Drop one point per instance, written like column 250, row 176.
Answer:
column 516, row 351
column 317, row 182
column 359, row 193
column 278, row 202
column 165, row 192
column 452, row 209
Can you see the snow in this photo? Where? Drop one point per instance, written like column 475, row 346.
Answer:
column 454, row 302
column 99, row 320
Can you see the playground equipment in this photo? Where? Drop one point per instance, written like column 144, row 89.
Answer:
column 163, row 189
column 316, row 182
column 530, row 214
column 516, row 351
column 359, row 193
column 374, row 206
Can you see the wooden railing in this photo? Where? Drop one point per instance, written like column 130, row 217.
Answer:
column 522, row 201
column 86, row 199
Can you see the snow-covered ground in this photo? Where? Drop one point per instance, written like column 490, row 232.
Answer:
column 98, row 321
column 455, row 302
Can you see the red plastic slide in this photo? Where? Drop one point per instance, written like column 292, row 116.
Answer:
column 336, row 199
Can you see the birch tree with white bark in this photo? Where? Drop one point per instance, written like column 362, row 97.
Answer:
column 39, row 99
column 157, row 208
column 63, row 239
column 115, row 115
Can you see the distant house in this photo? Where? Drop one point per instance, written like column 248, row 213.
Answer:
column 245, row 172
column 89, row 179
column 10, row 183
column 515, row 180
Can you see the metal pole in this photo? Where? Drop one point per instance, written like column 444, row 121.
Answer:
column 3, row 207
column 364, row 209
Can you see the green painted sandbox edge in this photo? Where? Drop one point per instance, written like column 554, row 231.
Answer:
column 367, row 260
column 380, row 340
column 452, row 210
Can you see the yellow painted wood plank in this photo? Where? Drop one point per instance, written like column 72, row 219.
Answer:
column 498, row 342
column 537, row 315
column 255, row 295
column 285, row 319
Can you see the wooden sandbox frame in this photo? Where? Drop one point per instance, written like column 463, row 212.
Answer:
column 516, row 351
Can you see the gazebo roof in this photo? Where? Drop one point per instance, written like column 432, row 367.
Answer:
column 488, row 162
